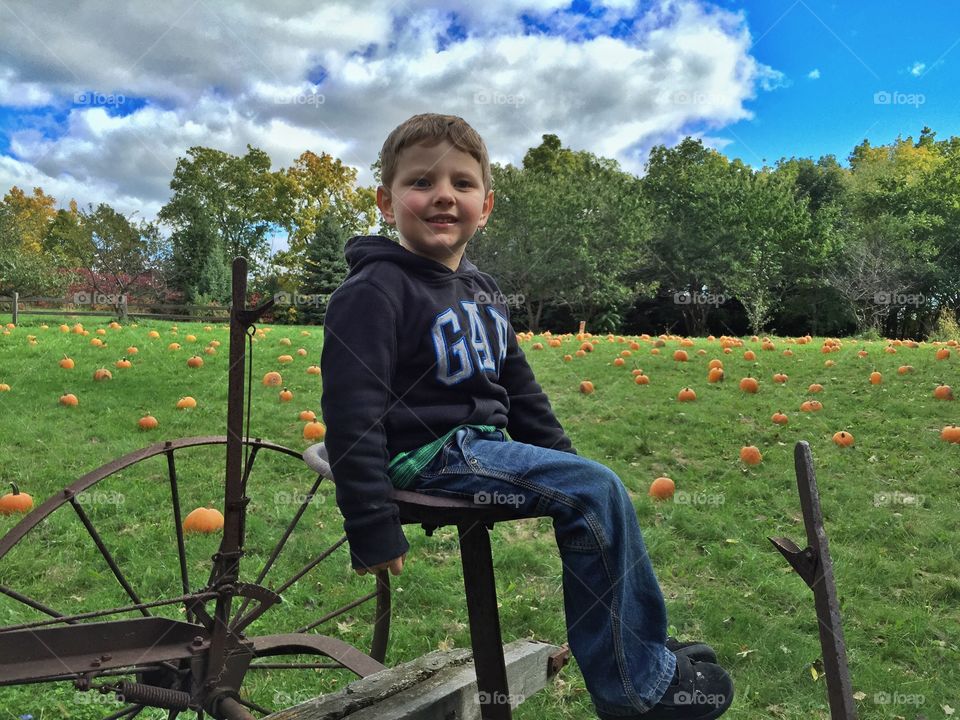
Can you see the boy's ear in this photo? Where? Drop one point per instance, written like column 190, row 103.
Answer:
column 385, row 203
column 486, row 209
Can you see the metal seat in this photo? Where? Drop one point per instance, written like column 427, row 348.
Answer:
column 473, row 525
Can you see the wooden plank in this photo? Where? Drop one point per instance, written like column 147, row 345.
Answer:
column 436, row 686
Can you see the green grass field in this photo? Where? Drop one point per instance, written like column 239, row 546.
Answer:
column 891, row 503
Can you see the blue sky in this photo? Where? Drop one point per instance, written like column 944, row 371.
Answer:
column 99, row 105
column 860, row 49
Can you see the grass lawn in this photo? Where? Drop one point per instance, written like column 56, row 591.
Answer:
column 891, row 504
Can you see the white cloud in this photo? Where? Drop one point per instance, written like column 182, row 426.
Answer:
column 227, row 76
column 814, row 74
column 917, row 68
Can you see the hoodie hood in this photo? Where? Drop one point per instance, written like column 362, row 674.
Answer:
column 364, row 249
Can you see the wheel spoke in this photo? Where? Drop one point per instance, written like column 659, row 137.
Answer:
column 339, row 611
column 35, row 604
column 131, row 711
column 280, row 544
column 253, row 706
column 106, row 554
column 178, row 528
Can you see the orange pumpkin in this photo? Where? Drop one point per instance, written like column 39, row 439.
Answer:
column 904, row 369
column 641, row 379
column 715, row 364
column 951, row 433
column 537, row 346
column 843, row 439
column 308, row 415
column 284, row 359
column 943, row 354
column 15, row 502
column 147, row 422
column 750, row 455
column 715, row 375
column 779, row 378
column 749, row 385
column 686, row 395
column 69, row 399
column 272, row 379
column 815, row 388
column 680, row 356
column 286, row 395
column 780, row 418
column 195, row 361
column 314, row 430
column 67, row 363
column 750, row 355
column 186, row 402
column 943, row 392
column 203, row 520
column 102, row 374
column 123, row 363
column 875, row 378
column 662, row 488
column 619, row 362
column 586, row 387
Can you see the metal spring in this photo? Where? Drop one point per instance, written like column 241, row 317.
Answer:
column 154, row 696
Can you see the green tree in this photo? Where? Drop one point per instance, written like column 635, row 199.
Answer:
column 224, row 197
column 566, row 232
column 325, row 267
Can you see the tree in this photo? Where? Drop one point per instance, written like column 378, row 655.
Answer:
column 693, row 194
column 30, row 215
column 325, row 267
column 320, row 187
column 575, row 217
column 121, row 251
column 225, row 198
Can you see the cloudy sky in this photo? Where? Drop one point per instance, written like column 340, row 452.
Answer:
column 98, row 99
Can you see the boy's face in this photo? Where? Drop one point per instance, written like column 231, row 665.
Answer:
column 436, row 201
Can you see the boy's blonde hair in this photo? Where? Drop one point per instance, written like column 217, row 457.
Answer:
column 429, row 129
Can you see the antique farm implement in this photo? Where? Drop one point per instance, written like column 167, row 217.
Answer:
column 192, row 651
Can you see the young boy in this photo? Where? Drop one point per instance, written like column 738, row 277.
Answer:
column 422, row 375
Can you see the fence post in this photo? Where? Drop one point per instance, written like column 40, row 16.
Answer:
column 16, row 302
column 123, row 309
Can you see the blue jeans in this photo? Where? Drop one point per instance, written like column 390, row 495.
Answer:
column 616, row 618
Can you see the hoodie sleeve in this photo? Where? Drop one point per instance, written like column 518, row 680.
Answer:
column 530, row 418
column 357, row 364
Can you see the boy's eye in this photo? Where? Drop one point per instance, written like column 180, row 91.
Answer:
column 420, row 182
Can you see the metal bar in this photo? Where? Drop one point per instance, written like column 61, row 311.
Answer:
column 481, row 591
column 839, row 689
column 129, row 711
column 338, row 611
column 279, row 546
column 111, row 611
column 35, row 604
column 310, row 565
column 178, row 529
column 381, row 626
column 296, row 666
column 106, row 555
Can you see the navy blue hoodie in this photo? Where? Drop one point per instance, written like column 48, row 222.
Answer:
column 412, row 349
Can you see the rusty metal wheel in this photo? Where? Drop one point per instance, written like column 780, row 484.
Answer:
column 100, row 588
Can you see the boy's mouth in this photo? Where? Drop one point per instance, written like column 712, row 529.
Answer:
column 442, row 220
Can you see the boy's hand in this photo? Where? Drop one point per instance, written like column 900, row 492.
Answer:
column 395, row 566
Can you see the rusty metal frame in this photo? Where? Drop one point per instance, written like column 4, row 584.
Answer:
column 814, row 565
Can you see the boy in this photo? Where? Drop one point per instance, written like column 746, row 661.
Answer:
column 421, row 376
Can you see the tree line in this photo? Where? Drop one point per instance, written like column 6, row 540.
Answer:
column 700, row 243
